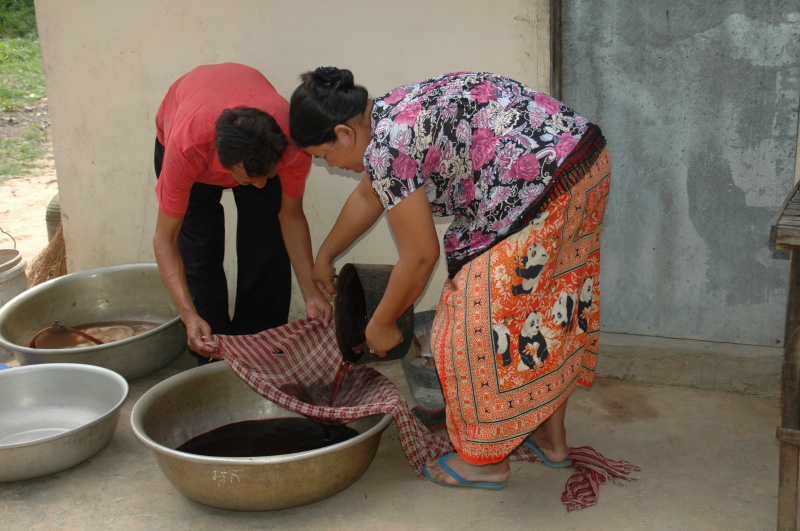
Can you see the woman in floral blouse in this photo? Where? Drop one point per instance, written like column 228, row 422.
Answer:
column 526, row 180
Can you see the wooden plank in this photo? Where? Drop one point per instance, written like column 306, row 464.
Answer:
column 785, row 243
column 788, row 435
column 790, row 198
column 787, row 487
column 785, row 235
column 790, row 402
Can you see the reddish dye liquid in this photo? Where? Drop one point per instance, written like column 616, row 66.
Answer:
column 106, row 331
column 338, row 380
column 258, row 438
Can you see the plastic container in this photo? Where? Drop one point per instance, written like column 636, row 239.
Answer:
column 12, row 275
column 13, row 281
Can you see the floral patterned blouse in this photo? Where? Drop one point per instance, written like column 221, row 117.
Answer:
column 484, row 147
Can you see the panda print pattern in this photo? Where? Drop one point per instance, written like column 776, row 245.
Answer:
column 532, row 343
column 584, row 304
column 563, row 310
column 517, row 328
column 540, row 220
column 533, row 264
column 501, row 337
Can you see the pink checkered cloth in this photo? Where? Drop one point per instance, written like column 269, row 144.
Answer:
column 295, row 366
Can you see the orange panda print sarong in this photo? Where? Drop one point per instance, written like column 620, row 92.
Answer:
column 517, row 327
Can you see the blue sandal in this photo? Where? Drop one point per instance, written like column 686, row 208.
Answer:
column 462, row 482
column 566, row 463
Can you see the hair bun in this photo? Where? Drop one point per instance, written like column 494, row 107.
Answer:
column 330, row 75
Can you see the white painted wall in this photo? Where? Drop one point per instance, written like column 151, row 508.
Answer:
column 108, row 63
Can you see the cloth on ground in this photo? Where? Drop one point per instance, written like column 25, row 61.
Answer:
column 295, row 366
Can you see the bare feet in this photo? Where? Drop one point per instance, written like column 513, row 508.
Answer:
column 496, row 472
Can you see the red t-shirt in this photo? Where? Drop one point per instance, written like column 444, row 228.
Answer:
column 185, row 126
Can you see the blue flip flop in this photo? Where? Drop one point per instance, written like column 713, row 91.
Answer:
column 462, row 482
column 566, row 463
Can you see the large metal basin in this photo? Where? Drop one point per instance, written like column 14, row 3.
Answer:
column 54, row 416
column 207, row 397
column 132, row 292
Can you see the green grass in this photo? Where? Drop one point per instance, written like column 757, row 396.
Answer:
column 19, row 156
column 21, row 72
column 17, row 18
column 21, row 83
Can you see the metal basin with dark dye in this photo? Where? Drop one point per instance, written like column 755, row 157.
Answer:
column 205, row 398
column 55, row 416
column 128, row 292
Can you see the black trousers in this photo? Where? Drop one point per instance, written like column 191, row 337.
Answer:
column 263, row 286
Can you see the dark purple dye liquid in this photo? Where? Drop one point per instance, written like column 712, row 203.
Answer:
column 257, row 438
column 350, row 314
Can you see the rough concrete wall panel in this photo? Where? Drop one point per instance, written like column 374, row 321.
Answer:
column 699, row 104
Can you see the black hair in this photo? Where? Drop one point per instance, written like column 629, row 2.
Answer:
column 325, row 98
column 252, row 137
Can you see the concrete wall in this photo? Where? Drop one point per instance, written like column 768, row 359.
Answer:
column 109, row 63
column 699, row 105
column 699, row 102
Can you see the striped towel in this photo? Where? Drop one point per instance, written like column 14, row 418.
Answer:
column 296, row 366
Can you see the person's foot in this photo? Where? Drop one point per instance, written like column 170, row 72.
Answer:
column 493, row 473
column 554, row 451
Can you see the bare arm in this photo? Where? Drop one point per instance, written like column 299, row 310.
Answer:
column 170, row 264
column 412, row 224
column 361, row 210
column 297, row 238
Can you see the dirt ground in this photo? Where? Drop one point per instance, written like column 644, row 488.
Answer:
column 24, row 199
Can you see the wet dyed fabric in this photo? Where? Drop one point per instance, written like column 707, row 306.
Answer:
column 516, row 328
column 296, row 366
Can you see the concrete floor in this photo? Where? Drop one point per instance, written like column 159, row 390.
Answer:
column 709, row 461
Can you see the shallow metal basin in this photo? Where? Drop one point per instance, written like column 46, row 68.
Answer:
column 114, row 293
column 55, row 416
column 207, row 397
